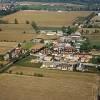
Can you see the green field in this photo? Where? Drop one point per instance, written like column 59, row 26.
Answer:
column 27, row 62
column 49, row 6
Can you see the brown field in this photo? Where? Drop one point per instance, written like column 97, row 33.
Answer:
column 16, row 28
column 45, row 18
column 55, row 85
column 16, row 37
column 6, row 46
column 16, row 32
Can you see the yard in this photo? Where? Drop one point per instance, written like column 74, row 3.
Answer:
column 46, row 18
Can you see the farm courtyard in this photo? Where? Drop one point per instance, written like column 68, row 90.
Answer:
column 55, row 85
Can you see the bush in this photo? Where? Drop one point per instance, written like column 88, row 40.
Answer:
column 10, row 71
column 21, row 73
column 17, row 73
column 16, row 21
column 27, row 22
column 38, row 75
column 0, row 29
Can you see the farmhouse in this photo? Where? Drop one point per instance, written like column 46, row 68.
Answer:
column 75, row 36
column 59, row 65
column 84, row 57
column 64, row 47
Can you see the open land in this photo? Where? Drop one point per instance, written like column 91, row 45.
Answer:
column 16, row 32
column 47, row 18
column 55, row 85
column 6, row 46
column 92, row 35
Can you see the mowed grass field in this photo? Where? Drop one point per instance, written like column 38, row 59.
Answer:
column 46, row 18
column 55, row 85
column 16, row 32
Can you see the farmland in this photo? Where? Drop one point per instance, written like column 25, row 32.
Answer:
column 6, row 46
column 55, row 85
column 93, row 34
column 94, row 39
column 45, row 18
column 48, row 6
column 63, row 75
column 16, row 32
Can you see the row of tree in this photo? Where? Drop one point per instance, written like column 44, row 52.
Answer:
column 66, row 1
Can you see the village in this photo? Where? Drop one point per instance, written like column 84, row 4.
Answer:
column 53, row 49
column 49, row 50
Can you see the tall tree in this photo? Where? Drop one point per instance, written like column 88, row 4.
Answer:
column 16, row 21
column 34, row 25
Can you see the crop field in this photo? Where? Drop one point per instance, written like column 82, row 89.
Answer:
column 55, row 85
column 16, row 32
column 6, row 46
column 94, row 39
column 96, row 18
column 93, row 35
column 46, row 18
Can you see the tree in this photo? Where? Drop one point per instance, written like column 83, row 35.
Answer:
column 82, row 31
column 16, row 21
column 0, row 29
column 96, row 31
column 97, row 47
column 85, row 46
column 68, row 30
column 34, row 25
column 71, row 30
column 27, row 22
column 96, row 60
column 64, row 29
column 87, row 31
column 19, row 45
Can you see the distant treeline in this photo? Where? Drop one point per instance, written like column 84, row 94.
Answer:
column 7, row 12
column 70, row 1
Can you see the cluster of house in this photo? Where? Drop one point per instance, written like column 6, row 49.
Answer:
column 54, row 50
column 10, row 50
column 63, row 52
